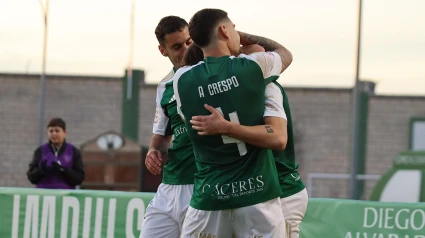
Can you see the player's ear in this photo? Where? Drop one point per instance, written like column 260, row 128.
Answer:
column 162, row 50
column 222, row 32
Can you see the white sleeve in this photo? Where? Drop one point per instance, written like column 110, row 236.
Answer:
column 161, row 120
column 269, row 62
column 274, row 102
column 176, row 79
column 177, row 95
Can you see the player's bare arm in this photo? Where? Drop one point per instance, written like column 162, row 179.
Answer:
column 268, row 45
column 158, row 147
column 271, row 135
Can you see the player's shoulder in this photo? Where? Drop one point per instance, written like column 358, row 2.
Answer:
column 185, row 69
column 162, row 84
column 167, row 78
column 245, row 61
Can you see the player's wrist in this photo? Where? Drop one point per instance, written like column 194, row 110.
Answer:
column 227, row 128
column 152, row 150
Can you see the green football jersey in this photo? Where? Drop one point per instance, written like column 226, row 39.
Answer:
column 289, row 179
column 231, row 173
column 180, row 167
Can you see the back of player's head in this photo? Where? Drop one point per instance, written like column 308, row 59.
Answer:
column 193, row 55
column 203, row 24
column 168, row 25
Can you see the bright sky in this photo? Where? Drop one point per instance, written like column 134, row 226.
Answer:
column 92, row 37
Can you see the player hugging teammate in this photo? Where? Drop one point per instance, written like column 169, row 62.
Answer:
column 232, row 171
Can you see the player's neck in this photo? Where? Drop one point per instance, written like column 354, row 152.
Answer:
column 216, row 51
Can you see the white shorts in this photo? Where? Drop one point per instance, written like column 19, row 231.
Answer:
column 260, row 220
column 294, row 208
column 166, row 212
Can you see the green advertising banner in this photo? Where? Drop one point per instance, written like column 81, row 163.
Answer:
column 40, row 213
column 332, row 218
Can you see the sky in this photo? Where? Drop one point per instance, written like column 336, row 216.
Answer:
column 92, row 37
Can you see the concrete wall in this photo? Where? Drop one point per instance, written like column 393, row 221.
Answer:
column 92, row 105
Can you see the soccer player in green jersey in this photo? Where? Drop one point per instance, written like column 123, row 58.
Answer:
column 166, row 212
column 236, row 190
column 294, row 198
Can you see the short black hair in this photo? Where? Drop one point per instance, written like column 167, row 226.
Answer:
column 168, row 25
column 202, row 24
column 57, row 122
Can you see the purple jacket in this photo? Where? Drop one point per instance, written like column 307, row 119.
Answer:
column 53, row 178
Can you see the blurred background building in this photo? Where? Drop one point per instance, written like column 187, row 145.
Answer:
column 94, row 105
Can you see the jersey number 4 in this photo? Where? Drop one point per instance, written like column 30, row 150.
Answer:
column 227, row 139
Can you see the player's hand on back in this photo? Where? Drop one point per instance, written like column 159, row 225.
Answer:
column 213, row 124
column 153, row 162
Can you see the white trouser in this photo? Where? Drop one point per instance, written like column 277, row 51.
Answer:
column 166, row 212
column 294, row 208
column 259, row 220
